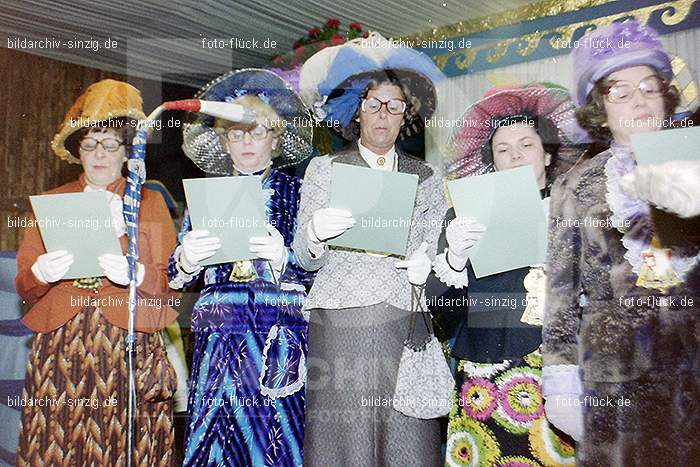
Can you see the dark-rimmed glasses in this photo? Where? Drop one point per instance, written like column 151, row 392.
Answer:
column 372, row 105
column 108, row 144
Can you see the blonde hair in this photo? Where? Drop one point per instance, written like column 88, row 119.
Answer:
column 270, row 118
column 266, row 116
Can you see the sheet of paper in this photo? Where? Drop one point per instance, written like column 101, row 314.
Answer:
column 657, row 147
column 508, row 204
column 381, row 203
column 231, row 208
column 80, row 223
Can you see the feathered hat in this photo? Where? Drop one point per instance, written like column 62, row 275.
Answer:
column 103, row 101
column 332, row 80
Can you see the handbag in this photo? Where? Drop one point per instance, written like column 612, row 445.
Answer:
column 424, row 383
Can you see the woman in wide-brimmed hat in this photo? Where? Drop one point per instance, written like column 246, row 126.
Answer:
column 373, row 93
column 249, row 365
column 77, row 366
column 498, row 410
column 620, row 339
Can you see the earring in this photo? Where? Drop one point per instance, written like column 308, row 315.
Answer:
column 604, row 124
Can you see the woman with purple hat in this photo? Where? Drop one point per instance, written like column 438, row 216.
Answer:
column 497, row 415
column 361, row 302
column 620, row 342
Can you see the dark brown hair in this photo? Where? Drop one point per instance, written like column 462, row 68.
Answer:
column 545, row 129
column 413, row 103
column 592, row 115
column 125, row 129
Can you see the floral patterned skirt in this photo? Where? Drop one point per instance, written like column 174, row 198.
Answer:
column 497, row 417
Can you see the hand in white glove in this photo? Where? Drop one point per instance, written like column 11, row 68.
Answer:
column 566, row 413
column 417, row 265
column 116, row 268
column 561, row 387
column 673, row 186
column 270, row 247
column 462, row 234
column 328, row 223
column 51, row 267
column 197, row 246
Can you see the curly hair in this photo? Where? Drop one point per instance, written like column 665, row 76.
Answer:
column 413, row 103
column 545, row 129
column 593, row 118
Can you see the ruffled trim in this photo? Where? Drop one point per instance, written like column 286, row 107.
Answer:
column 625, row 209
column 450, row 277
column 182, row 278
column 275, row 393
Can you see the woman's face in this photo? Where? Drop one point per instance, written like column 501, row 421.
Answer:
column 517, row 145
column 640, row 114
column 250, row 151
column 379, row 130
column 102, row 167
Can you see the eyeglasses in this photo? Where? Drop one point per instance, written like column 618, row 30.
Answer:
column 372, row 105
column 618, row 92
column 258, row 133
column 108, row 144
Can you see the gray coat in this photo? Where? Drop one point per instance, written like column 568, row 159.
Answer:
column 639, row 350
column 596, row 316
column 348, row 278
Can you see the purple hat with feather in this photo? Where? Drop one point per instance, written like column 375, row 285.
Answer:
column 613, row 48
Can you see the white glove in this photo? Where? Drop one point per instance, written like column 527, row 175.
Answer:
column 181, row 392
column 462, row 234
column 561, row 387
column 672, row 186
column 271, row 247
column 417, row 265
column 51, row 267
column 197, row 246
column 116, row 268
column 328, row 223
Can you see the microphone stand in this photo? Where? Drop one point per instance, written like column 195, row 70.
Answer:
column 136, row 166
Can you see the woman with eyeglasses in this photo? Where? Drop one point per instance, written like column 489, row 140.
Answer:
column 620, row 340
column 247, row 394
column 75, row 394
column 361, row 302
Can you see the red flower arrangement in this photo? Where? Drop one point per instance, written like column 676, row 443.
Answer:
column 318, row 39
column 314, row 32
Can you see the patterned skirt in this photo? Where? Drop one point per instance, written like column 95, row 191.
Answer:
column 497, row 418
column 75, row 397
column 231, row 421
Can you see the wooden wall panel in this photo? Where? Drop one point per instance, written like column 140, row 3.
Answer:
column 35, row 94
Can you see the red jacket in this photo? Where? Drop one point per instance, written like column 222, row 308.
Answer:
column 53, row 305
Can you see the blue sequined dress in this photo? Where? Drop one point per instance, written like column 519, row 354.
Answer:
column 247, row 395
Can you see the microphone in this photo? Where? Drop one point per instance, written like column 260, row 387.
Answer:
column 225, row 110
